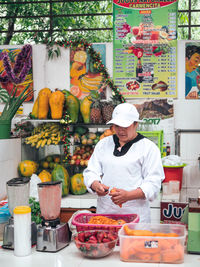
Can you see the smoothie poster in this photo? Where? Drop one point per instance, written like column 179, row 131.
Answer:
column 84, row 74
column 192, row 70
column 145, row 48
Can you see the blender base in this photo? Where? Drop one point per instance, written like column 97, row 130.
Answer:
column 53, row 239
column 8, row 235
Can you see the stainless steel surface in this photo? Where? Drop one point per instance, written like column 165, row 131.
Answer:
column 8, row 235
column 52, row 239
column 177, row 138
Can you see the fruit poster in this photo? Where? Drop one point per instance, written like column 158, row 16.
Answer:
column 85, row 77
column 16, row 71
column 145, row 48
column 192, row 70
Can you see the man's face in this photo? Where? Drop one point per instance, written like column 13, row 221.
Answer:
column 125, row 134
column 193, row 62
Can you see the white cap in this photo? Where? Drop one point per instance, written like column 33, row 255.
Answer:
column 124, row 115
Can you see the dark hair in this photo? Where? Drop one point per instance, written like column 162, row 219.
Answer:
column 192, row 49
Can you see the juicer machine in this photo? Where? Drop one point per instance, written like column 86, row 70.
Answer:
column 18, row 190
column 52, row 235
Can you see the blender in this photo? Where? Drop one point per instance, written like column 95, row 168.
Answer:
column 18, row 190
column 52, row 235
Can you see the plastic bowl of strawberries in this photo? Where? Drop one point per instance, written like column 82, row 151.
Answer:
column 95, row 243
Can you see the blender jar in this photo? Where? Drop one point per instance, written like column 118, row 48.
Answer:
column 50, row 199
column 18, row 190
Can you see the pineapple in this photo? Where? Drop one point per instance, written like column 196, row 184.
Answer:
column 95, row 112
column 107, row 110
column 108, row 107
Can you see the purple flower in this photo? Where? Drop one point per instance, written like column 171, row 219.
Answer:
column 23, row 64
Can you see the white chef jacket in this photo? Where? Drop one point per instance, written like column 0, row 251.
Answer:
column 140, row 166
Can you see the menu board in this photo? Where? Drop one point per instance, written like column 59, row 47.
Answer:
column 145, row 48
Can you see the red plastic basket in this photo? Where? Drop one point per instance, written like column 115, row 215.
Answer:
column 81, row 221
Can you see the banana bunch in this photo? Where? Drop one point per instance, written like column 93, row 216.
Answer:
column 44, row 134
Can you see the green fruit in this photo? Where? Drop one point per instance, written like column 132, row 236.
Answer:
column 51, row 165
column 77, row 186
column 95, row 141
column 81, row 130
column 27, row 168
column 72, row 106
column 59, row 173
column 49, row 159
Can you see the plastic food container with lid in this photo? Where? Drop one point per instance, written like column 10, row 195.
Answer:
column 158, row 243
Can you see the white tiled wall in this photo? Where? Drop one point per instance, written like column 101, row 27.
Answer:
column 10, row 156
column 189, row 152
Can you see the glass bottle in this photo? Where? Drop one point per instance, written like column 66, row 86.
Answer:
column 139, row 71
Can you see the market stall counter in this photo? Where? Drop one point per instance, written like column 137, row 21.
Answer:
column 73, row 203
column 70, row 256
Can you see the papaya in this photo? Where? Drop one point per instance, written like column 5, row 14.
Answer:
column 43, row 103
column 34, row 113
column 77, row 186
column 59, row 173
column 45, row 176
column 27, row 167
column 85, row 108
column 72, row 106
column 56, row 102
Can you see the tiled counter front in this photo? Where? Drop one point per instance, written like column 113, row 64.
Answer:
column 10, row 156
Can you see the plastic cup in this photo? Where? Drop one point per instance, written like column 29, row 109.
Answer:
column 174, row 187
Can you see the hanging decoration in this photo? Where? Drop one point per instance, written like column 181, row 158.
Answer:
column 65, row 121
column 116, row 95
column 96, row 58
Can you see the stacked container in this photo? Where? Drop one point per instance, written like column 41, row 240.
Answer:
column 160, row 243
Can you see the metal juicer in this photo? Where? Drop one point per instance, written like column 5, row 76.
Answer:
column 193, row 244
column 18, row 190
column 52, row 235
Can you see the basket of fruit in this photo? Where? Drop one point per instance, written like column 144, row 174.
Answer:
column 95, row 243
column 94, row 221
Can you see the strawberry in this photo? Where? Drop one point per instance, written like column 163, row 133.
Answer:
column 105, row 240
column 100, row 237
column 88, row 234
column 92, row 239
column 111, row 236
column 81, row 237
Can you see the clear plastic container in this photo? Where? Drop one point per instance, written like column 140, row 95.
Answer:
column 4, row 217
column 160, row 243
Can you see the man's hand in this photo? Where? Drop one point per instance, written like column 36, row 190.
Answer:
column 99, row 188
column 120, row 196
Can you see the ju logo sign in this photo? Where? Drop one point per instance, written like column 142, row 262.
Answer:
column 172, row 211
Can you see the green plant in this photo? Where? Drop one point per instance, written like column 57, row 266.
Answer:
column 13, row 103
column 35, row 210
column 3, row 95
